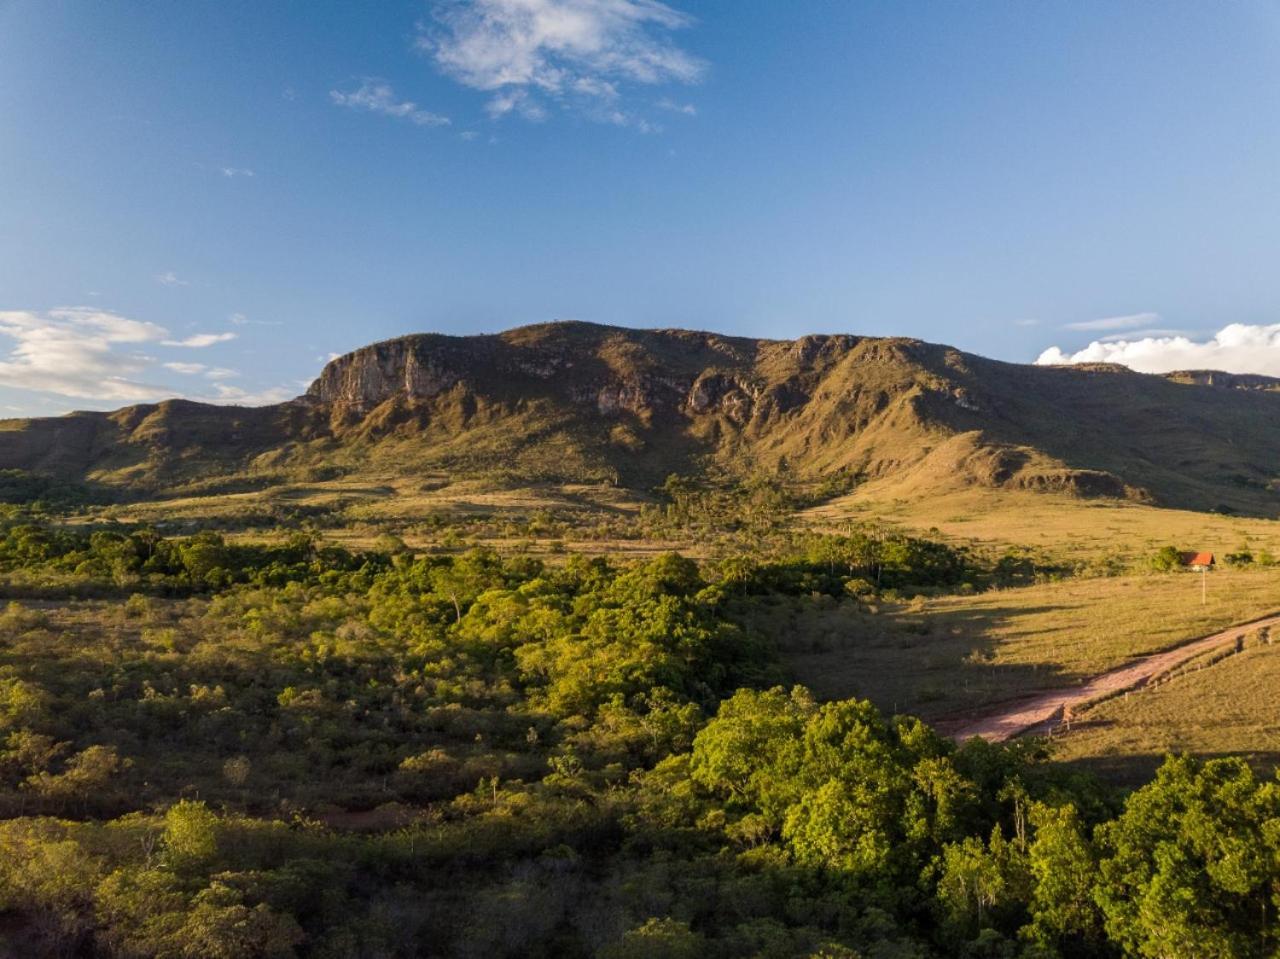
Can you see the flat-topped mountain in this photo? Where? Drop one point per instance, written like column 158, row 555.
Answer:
column 581, row 402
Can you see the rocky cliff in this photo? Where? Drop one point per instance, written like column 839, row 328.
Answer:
column 576, row 401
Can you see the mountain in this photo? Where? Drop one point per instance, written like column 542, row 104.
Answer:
column 581, row 402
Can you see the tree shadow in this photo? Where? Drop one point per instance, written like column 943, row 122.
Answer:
column 1133, row 770
column 942, row 668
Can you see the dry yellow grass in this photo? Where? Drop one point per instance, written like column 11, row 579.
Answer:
column 950, row 656
column 395, row 500
column 1063, row 526
column 1229, row 708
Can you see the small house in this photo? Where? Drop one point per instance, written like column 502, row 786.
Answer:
column 1198, row 561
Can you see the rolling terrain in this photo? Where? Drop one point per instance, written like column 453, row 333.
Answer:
column 578, row 403
column 555, row 439
column 572, row 627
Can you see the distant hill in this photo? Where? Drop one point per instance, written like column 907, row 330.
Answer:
column 579, row 402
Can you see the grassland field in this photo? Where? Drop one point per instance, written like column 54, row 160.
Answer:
column 1066, row 527
column 1225, row 708
column 948, row 656
column 939, row 657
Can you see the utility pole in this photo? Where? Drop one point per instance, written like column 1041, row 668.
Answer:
column 1204, row 585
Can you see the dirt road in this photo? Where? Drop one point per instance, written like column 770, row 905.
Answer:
column 1046, row 708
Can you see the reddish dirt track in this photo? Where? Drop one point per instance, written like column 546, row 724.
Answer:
column 1046, row 708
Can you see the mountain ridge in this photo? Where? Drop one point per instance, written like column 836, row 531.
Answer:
column 573, row 401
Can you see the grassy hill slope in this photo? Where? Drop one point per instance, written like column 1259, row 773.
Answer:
column 574, row 402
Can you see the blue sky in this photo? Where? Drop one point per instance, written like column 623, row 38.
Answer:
column 209, row 199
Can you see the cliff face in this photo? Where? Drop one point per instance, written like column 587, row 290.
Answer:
column 578, row 402
column 610, row 371
column 414, row 366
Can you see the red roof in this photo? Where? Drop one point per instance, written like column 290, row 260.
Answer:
column 1197, row 559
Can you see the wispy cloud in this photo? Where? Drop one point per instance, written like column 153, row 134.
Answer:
column 79, row 351
column 1238, row 348
column 171, row 279
column 235, row 396
column 1141, row 334
column 687, row 109
column 190, row 369
column 377, row 96
column 578, row 53
column 239, row 319
column 91, row 354
column 235, row 171
column 516, row 101
column 1127, row 322
column 201, row 340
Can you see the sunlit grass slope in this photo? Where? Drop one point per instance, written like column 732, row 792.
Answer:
column 952, row 656
column 1063, row 526
column 1230, row 707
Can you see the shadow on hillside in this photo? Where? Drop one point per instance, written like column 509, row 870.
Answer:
column 941, row 667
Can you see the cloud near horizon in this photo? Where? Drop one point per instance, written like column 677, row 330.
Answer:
column 1116, row 322
column 86, row 353
column 577, row 53
column 1237, row 348
column 198, row 341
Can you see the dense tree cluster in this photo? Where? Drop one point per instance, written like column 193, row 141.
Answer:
column 290, row 750
column 56, row 559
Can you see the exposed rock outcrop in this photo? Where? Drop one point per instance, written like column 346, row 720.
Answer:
column 572, row 401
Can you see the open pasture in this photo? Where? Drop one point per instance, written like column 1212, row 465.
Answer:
column 945, row 657
column 1228, row 708
column 1064, row 527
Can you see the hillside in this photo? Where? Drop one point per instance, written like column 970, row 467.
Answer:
column 574, row 402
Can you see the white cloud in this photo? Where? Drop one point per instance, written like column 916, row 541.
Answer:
column 170, row 279
column 74, row 351
column 688, row 109
column 376, row 96
column 235, row 171
column 239, row 319
column 234, row 396
column 95, row 355
column 1238, row 348
column 517, row 101
column 201, row 340
column 1116, row 322
column 1136, row 334
column 620, row 118
column 577, row 52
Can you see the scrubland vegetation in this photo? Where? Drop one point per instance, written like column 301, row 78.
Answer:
column 270, row 746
